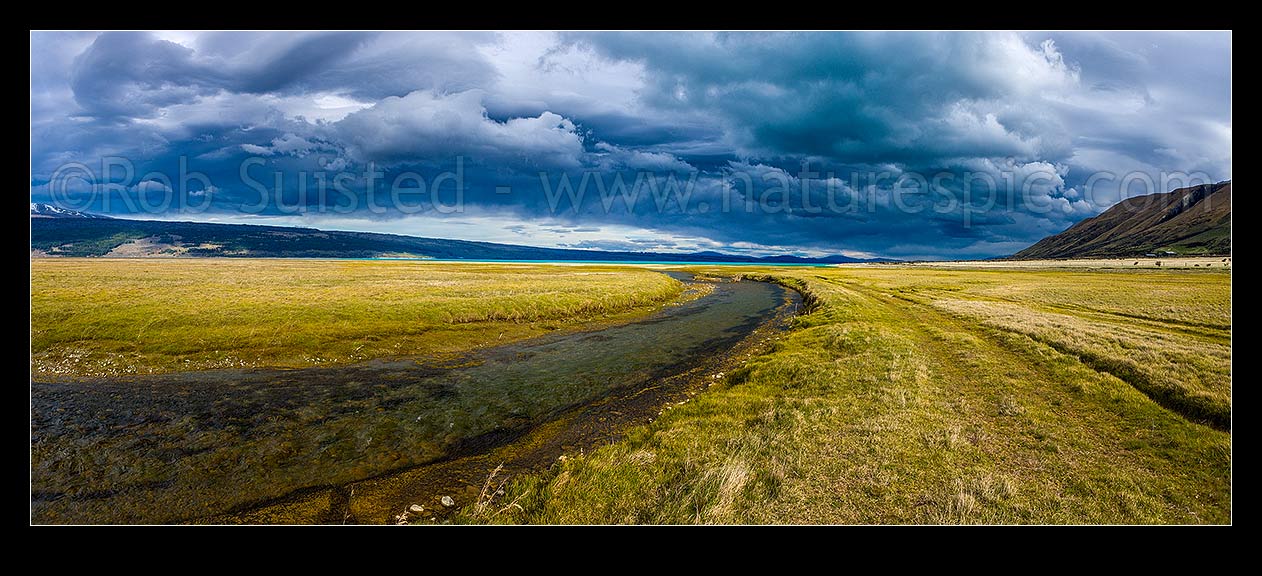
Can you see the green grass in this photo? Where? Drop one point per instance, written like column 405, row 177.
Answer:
column 938, row 396
column 97, row 317
column 902, row 395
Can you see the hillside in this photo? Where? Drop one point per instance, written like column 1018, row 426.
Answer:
column 1193, row 220
column 85, row 235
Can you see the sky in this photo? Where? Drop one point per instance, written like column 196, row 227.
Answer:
column 910, row 145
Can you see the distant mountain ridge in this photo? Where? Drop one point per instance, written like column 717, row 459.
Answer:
column 85, row 235
column 1192, row 220
column 41, row 210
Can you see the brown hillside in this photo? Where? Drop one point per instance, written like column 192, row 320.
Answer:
column 1193, row 220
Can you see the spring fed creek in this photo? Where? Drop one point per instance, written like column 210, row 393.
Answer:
column 362, row 443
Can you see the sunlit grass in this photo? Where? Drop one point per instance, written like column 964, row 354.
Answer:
column 96, row 317
column 905, row 395
column 939, row 396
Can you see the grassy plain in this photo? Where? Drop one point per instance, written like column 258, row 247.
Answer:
column 938, row 395
column 105, row 317
column 907, row 394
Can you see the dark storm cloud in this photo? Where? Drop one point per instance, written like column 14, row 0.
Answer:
column 1012, row 125
column 134, row 74
column 127, row 74
column 307, row 58
column 864, row 97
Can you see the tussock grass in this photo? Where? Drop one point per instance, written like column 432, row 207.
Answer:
column 98, row 317
column 919, row 395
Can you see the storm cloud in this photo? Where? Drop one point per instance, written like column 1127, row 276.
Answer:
column 905, row 145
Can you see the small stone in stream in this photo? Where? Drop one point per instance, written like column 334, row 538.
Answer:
column 448, row 502
column 416, row 508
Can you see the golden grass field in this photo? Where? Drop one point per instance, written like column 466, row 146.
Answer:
column 906, row 394
column 926, row 395
column 106, row 317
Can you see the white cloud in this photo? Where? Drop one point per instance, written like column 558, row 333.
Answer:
column 615, row 157
column 257, row 150
column 148, row 186
column 288, row 144
column 426, row 125
column 535, row 70
column 209, row 190
column 316, row 107
column 294, row 144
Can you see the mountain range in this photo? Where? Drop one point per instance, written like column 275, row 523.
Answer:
column 1188, row 221
column 39, row 210
column 61, row 232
